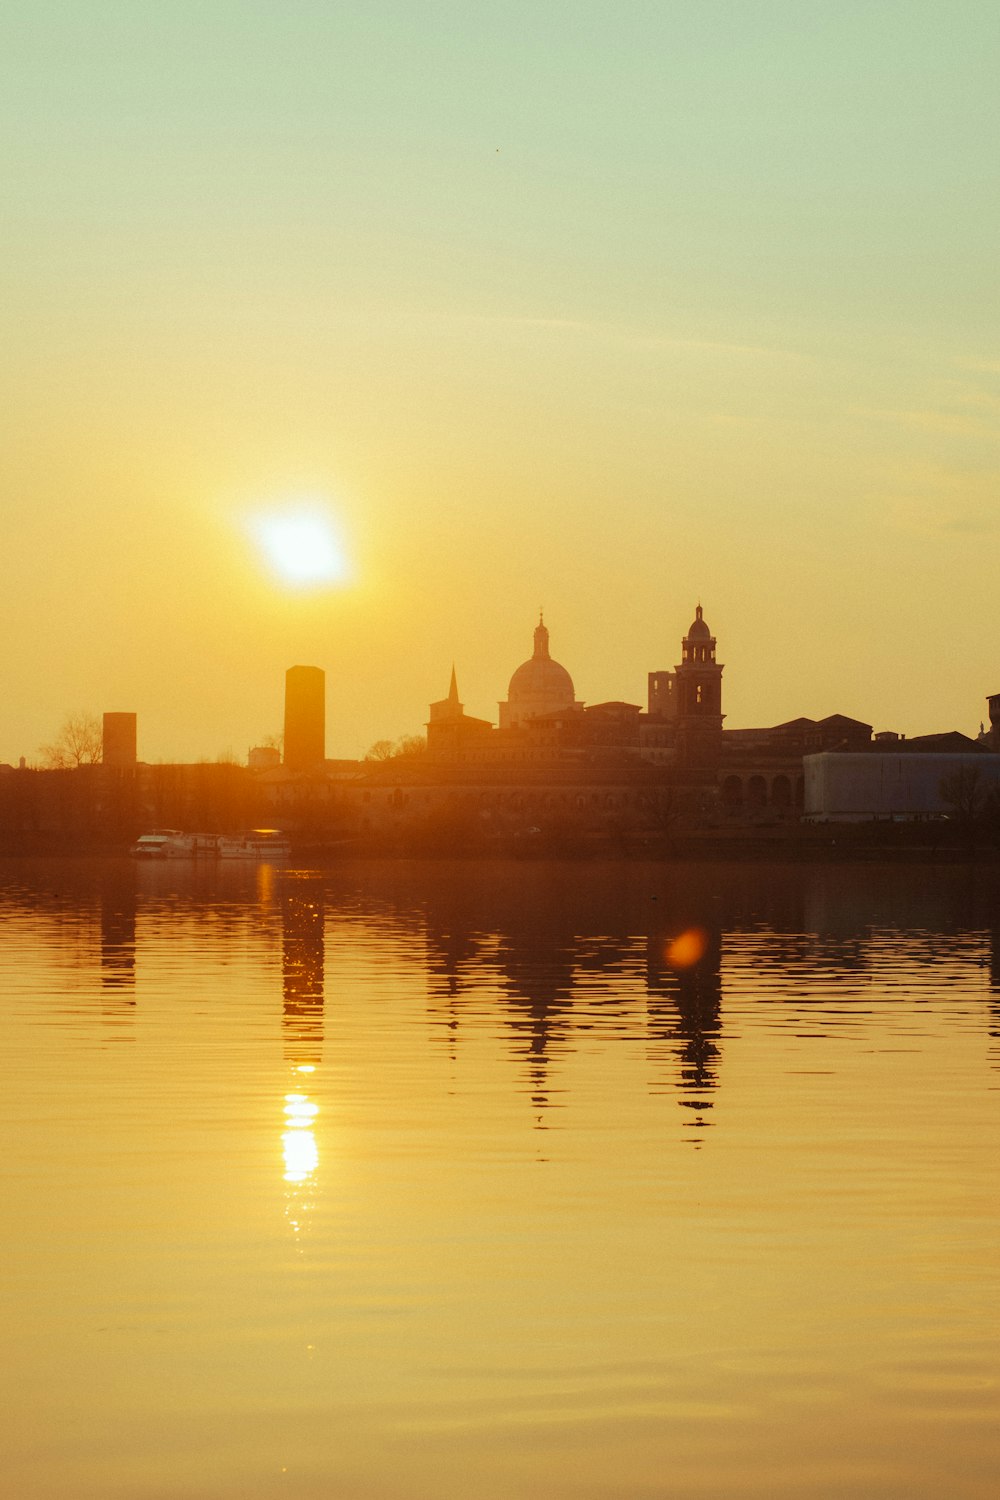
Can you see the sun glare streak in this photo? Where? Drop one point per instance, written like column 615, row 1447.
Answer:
column 301, row 545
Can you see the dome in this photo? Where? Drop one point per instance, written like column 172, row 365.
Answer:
column 539, row 686
column 541, row 677
column 699, row 630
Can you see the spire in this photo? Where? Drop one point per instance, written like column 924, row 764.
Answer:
column 453, row 689
column 541, row 638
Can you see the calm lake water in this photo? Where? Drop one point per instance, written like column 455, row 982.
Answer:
column 500, row 1180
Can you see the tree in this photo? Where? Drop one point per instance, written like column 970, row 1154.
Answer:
column 408, row 747
column 80, row 742
column 963, row 793
column 381, row 750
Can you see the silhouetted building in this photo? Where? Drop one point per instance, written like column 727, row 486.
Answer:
column 539, row 686
column 451, row 732
column 559, row 768
column 760, row 774
column 683, row 725
column 699, row 698
column 118, row 745
column 994, row 735
column 305, row 718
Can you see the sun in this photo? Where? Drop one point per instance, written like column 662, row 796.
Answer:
column 301, row 545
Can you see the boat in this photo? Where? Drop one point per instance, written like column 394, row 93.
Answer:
column 154, row 845
column 171, row 843
column 266, row 844
column 192, row 846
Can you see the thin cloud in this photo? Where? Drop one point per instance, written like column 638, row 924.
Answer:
column 927, row 420
column 932, row 500
column 629, row 336
column 979, row 366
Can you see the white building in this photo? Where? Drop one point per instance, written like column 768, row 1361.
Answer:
column 841, row 787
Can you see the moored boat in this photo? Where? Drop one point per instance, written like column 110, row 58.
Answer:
column 154, row 845
column 192, row 846
column 257, row 843
column 172, row 843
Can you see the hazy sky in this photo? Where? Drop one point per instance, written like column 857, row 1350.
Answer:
column 606, row 308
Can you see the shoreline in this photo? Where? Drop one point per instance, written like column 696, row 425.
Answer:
column 893, row 844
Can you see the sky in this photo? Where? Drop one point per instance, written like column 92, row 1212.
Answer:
column 602, row 308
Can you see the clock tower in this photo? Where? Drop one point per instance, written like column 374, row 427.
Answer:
column 699, row 698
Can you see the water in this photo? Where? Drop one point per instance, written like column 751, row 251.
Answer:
column 429, row 1180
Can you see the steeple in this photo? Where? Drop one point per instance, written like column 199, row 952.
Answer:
column 541, row 639
column 450, row 707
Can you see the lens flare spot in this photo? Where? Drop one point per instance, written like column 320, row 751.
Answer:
column 687, row 948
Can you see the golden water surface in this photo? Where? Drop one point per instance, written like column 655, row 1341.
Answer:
column 480, row 1180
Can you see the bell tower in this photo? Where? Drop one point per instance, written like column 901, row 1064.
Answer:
column 699, row 698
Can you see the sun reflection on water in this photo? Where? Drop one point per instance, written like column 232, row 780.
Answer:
column 300, row 1152
column 299, row 1141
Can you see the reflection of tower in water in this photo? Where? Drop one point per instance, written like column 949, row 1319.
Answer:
column 302, row 966
column 684, row 1007
column 118, row 908
column 994, row 1023
column 302, row 975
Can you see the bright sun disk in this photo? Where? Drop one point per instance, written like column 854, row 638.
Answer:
column 300, row 546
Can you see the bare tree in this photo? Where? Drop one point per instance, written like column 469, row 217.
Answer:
column 381, row 750
column 963, row 793
column 408, row 747
column 78, row 743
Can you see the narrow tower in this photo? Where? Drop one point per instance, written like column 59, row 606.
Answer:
column 305, row 718
column 119, row 741
column 699, row 698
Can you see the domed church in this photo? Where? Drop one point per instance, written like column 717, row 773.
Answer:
column 539, row 686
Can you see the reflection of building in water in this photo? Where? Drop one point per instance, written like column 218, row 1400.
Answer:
column 994, row 1022
column 454, row 959
column 684, row 1009
column 118, row 908
column 503, row 930
column 561, row 955
column 537, row 963
column 302, row 970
